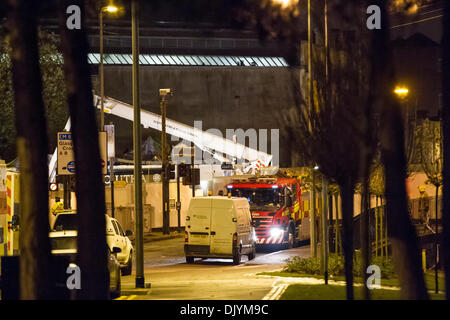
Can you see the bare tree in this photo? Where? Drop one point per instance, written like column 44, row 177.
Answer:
column 431, row 159
column 329, row 134
column 32, row 151
column 90, row 191
column 401, row 230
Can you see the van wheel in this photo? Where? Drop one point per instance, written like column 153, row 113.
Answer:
column 252, row 254
column 237, row 257
column 189, row 259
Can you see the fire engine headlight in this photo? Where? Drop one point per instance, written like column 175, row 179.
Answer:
column 276, row 232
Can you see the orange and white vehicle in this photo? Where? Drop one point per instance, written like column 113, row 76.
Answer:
column 276, row 207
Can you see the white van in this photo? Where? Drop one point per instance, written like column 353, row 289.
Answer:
column 219, row 227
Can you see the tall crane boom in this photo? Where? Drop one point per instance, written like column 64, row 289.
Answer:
column 205, row 141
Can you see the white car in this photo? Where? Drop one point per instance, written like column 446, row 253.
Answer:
column 64, row 243
column 115, row 237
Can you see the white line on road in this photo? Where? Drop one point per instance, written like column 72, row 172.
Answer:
column 276, row 292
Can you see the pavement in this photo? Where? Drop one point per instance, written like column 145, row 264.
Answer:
column 129, row 288
column 158, row 236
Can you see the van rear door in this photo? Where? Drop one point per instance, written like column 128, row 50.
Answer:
column 200, row 221
column 222, row 226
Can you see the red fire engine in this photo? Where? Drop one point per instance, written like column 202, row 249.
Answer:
column 276, row 207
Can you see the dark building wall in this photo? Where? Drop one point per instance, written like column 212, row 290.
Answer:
column 222, row 97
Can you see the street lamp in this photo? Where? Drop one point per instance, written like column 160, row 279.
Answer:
column 110, row 8
column 285, row 3
column 312, row 218
column 137, row 151
column 164, row 93
column 401, row 92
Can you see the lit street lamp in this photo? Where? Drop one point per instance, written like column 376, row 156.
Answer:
column 401, row 92
column 285, row 3
column 110, row 8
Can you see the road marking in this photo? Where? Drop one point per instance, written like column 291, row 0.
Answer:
column 126, row 297
column 279, row 292
column 276, row 291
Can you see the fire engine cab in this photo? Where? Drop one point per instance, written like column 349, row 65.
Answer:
column 276, row 208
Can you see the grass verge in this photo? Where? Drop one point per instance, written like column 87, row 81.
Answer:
column 336, row 292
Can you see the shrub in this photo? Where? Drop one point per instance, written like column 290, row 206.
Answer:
column 336, row 266
column 312, row 265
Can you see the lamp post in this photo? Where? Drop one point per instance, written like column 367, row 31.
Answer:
column 324, row 240
column 110, row 8
column 312, row 219
column 164, row 165
column 140, row 280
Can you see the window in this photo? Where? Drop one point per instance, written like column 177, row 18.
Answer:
column 66, row 222
column 115, row 227
column 294, row 192
column 63, row 243
column 120, row 228
column 186, row 60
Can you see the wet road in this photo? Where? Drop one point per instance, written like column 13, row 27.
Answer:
column 172, row 278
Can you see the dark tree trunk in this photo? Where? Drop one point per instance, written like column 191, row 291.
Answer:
column 446, row 146
column 364, row 238
column 90, row 190
column 32, row 151
column 401, row 231
column 405, row 249
column 347, row 191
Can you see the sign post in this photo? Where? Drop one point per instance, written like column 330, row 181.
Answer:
column 111, row 155
column 66, row 162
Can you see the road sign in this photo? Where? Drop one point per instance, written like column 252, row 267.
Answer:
column 157, row 177
column 109, row 128
column 103, row 151
column 66, row 159
column 65, row 154
column 71, row 167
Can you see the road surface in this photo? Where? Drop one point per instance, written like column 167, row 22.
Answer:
column 172, row 278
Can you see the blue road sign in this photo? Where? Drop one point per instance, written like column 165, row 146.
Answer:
column 65, row 136
column 71, row 166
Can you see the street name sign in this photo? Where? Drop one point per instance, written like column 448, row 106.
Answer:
column 66, row 159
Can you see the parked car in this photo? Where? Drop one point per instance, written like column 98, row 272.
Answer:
column 115, row 237
column 219, row 227
column 64, row 242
